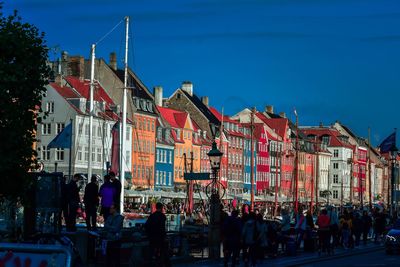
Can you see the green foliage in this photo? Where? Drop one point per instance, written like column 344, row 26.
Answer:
column 23, row 76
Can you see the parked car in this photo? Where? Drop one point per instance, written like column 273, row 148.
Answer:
column 392, row 239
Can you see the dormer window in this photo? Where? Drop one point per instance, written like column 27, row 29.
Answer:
column 326, row 139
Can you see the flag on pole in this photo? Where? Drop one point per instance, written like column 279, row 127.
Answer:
column 389, row 144
column 295, row 112
column 115, row 148
column 63, row 139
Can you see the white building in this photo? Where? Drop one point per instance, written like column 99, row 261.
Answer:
column 66, row 101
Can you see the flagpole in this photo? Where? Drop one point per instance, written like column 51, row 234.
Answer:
column 124, row 104
column 70, row 151
column 91, row 113
column 369, row 168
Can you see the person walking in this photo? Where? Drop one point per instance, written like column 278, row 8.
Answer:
column 285, row 229
column 118, row 187
column 366, row 226
column 323, row 223
column 155, row 230
column 345, row 228
column 112, row 228
column 357, row 229
column 232, row 228
column 91, row 200
column 107, row 194
column 309, row 244
column 333, row 227
column 300, row 227
column 250, row 237
column 73, row 201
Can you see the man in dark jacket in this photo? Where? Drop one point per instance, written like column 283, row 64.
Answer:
column 118, row 187
column 91, row 200
column 232, row 228
column 73, row 203
column 366, row 225
column 155, row 230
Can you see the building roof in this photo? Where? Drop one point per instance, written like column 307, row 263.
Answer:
column 65, row 91
column 175, row 118
column 278, row 124
column 333, row 133
column 83, row 88
column 203, row 108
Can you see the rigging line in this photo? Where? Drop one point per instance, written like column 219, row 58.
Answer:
column 108, row 33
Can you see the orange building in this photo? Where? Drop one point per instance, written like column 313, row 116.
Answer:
column 187, row 140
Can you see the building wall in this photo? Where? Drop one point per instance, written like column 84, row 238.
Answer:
column 164, row 167
column 143, row 136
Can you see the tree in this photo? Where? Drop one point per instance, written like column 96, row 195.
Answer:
column 23, row 76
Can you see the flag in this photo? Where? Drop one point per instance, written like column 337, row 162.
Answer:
column 389, row 144
column 295, row 112
column 115, row 148
column 63, row 139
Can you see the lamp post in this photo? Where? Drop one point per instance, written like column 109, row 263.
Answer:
column 393, row 159
column 213, row 191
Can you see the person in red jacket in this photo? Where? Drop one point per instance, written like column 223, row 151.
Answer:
column 323, row 223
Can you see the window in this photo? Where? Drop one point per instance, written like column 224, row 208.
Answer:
column 158, row 156
column 86, row 153
column 45, row 153
column 170, row 178
column 99, row 131
column 79, row 153
column 99, row 154
column 336, row 153
column 326, row 139
column 128, row 133
column 46, row 128
column 80, row 128
column 336, row 165
column 157, row 177
column 165, row 157
column 335, row 194
column 170, row 157
column 335, row 179
column 50, row 107
column 93, row 154
column 86, row 129
column 59, row 154
column 60, row 127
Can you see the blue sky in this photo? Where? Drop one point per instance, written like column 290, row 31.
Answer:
column 332, row 60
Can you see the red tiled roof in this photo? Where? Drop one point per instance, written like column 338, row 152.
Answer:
column 83, row 88
column 218, row 115
column 175, row 118
column 64, row 91
column 278, row 124
column 333, row 133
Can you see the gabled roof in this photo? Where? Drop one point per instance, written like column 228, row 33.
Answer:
column 200, row 106
column 278, row 124
column 333, row 133
column 175, row 118
column 65, row 91
column 135, row 84
column 225, row 118
column 83, row 88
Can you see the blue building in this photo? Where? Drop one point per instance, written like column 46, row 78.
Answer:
column 164, row 160
column 247, row 161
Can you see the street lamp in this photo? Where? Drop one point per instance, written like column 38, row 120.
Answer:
column 393, row 159
column 215, row 212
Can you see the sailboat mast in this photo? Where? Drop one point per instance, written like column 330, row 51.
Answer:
column 91, row 113
column 124, row 104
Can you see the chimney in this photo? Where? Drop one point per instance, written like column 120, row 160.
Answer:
column 77, row 67
column 204, row 99
column 269, row 109
column 158, row 95
column 113, row 60
column 282, row 114
column 321, row 125
column 187, row 86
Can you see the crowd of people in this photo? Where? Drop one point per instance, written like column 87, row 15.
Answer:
column 326, row 231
